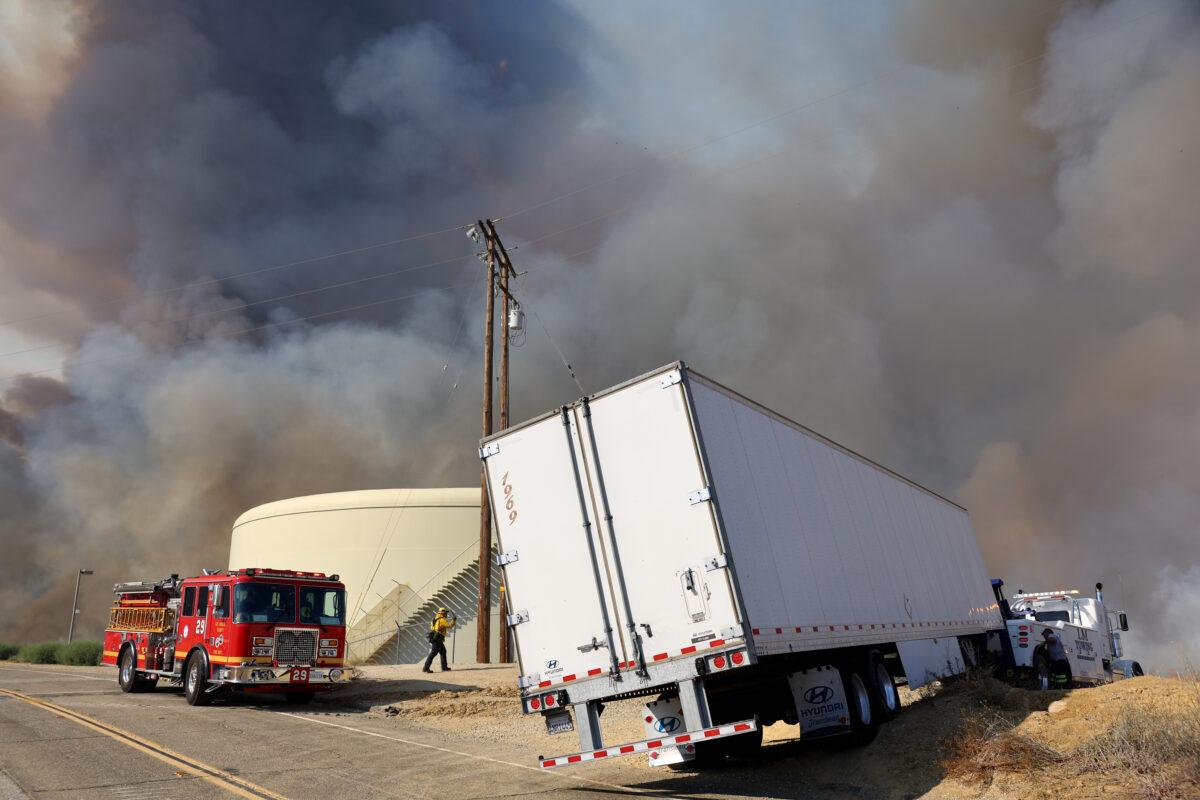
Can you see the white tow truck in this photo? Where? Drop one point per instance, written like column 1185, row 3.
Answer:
column 1090, row 634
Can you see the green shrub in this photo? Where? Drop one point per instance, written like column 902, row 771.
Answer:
column 7, row 651
column 43, row 653
column 83, row 654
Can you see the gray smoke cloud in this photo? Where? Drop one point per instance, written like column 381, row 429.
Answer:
column 977, row 266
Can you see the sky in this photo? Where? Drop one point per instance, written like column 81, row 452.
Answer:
column 959, row 238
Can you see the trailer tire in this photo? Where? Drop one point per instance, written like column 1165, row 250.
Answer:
column 195, row 680
column 864, row 722
column 883, row 687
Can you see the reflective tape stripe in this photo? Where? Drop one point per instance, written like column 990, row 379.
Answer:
column 716, row 732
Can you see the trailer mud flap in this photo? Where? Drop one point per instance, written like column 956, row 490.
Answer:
column 685, row 738
column 820, row 701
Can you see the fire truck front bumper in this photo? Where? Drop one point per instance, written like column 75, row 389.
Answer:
column 284, row 676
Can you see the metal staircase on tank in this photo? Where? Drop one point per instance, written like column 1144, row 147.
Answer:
column 410, row 643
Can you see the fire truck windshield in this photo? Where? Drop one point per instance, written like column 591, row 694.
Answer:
column 264, row 602
column 322, row 605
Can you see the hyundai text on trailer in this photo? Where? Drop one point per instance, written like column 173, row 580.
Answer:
column 670, row 539
column 256, row 630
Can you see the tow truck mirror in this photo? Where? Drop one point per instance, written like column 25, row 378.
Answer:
column 1123, row 618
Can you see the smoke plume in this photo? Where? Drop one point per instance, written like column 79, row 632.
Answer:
column 973, row 259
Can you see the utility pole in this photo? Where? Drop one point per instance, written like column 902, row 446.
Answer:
column 75, row 604
column 506, row 270
column 483, row 631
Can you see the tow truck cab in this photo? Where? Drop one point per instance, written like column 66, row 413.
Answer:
column 1089, row 632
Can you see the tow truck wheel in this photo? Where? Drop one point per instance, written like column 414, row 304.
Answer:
column 195, row 682
column 1040, row 678
column 883, row 687
column 299, row 698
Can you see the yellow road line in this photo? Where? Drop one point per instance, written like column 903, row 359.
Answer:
column 219, row 777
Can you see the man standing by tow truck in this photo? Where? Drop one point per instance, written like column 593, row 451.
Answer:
column 438, row 629
column 1060, row 667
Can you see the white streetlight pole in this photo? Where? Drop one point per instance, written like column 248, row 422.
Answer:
column 75, row 604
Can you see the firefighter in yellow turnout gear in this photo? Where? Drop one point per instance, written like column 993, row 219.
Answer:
column 438, row 629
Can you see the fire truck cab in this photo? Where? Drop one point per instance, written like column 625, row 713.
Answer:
column 255, row 630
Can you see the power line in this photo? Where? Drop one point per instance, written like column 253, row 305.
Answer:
column 260, row 271
column 252, row 304
column 328, row 287
column 268, row 326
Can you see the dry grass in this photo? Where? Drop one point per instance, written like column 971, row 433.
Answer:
column 1159, row 746
column 1150, row 744
column 986, row 742
column 985, row 745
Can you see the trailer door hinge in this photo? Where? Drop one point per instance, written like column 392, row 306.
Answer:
column 732, row 633
column 700, row 495
column 525, row 681
column 489, row 449
column 716, row 562
column 518, row 618
column 506, row 558
column 670, row 379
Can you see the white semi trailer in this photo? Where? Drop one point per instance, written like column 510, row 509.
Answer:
column 672, row 540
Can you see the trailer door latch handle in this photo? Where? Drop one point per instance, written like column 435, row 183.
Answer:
column 595, row 644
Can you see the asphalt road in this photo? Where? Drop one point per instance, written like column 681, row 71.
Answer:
column 167, row 749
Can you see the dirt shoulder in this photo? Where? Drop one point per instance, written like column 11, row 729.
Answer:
column 1085, row 743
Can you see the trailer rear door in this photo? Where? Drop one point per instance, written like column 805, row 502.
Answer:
column 550, row 577
column 643, row 455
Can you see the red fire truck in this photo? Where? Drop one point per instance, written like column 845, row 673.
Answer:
column 255, row 630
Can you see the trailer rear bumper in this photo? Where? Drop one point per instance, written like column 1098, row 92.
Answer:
column 717, row 656
column 676, row 740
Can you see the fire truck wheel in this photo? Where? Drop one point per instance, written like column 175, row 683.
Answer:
column 127, row 677
column 883, row 688
column 195, row 680
column 299, row 698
